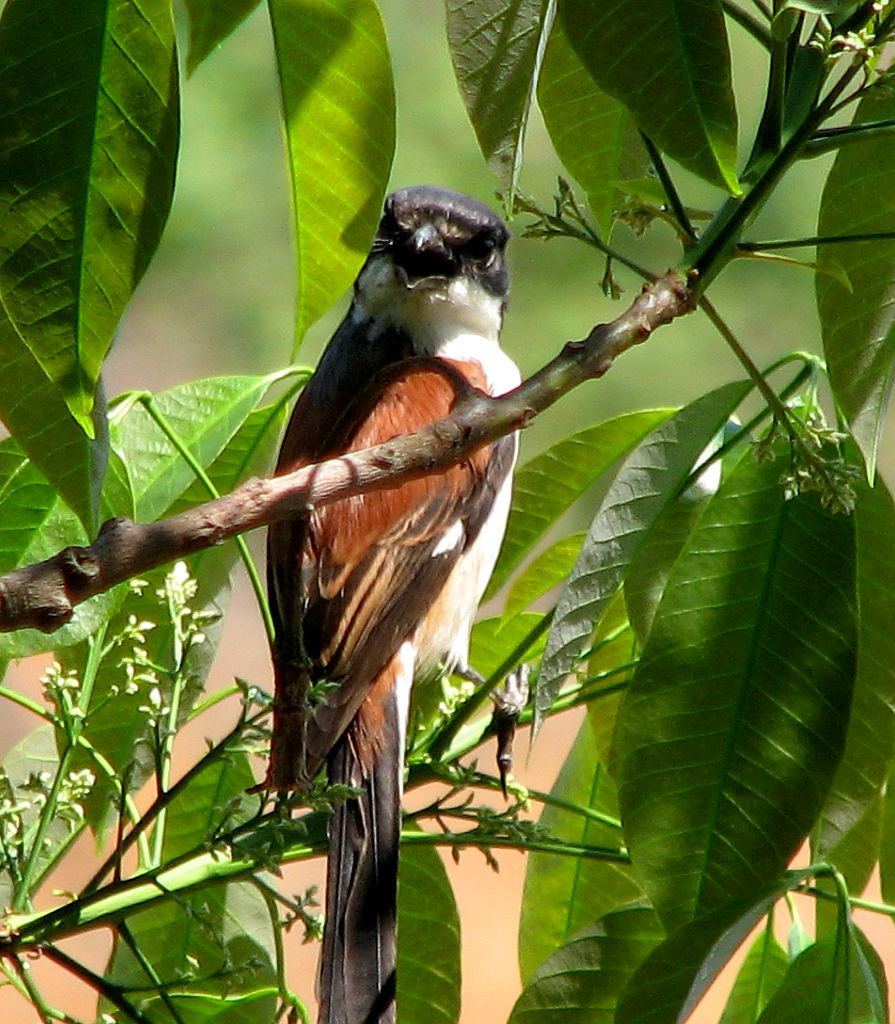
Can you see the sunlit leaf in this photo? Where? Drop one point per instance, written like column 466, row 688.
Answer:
column 649, row 480
column 564, row 894
column 428, row 940
column 37, row 525
column 551, row 482
column 548, row 570
column 858, row 325
column 88, row 136
column 338, row 98
column 685, row 102
column 593, row 134
column 757, row 979
column 211, row 21
column 582, row 981
column 497, row 47
column 731, row 730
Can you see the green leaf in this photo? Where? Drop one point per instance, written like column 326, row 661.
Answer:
column 548, row 570
column 649, row 480
column 336, row 82
column 582, row 981
column 870, row 742
column 670, row 982
column 34, row 411
column 428, row 940
column 551, row 482
column 757, row 980
column 731, row 730
column 564, row 894
column 834, row 981
column 213, row 949
column 36, row 526
column 211, row 21
column 497, row 47
column 858, row 326
column 887, row 843
column 668, row 62
column 204, row 414
column 593, row 134
column 88, row 137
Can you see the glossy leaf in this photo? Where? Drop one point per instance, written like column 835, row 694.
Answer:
column 213, row 949
column 548, row 570
column 582, row 981
column 497, row 47
column 870, row 742
column 204, row 414
column 36, row 525
column 858, row 323
column 757, row 980
column 668, row 62
column 428, row 940
column 551, row 482
column 338, row 97
column 34, row 411
column 563, row 895
column 651, row 477
column 592, row 133
column 731, row 730
column 834, row 981
column 211, row 21
column 670, row 983
column 88, row 132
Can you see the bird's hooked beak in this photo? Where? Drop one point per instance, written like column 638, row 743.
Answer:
column 423, row 259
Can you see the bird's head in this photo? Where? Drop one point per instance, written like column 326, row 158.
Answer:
column 439, row 253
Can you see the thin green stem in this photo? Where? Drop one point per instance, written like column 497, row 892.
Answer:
column 149, row 403
column 480, row 839
column 23, row 981
column 826, row 140
column 28, row 704
column 809, row 240
column 106, row 989
column 757, row 29
column 684, row 227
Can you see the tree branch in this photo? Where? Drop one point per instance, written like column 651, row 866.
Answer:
column 43, row 596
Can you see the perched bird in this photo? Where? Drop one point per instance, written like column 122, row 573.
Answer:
column 376, row 590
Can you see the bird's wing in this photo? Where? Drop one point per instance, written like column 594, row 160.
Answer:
column 350, row 581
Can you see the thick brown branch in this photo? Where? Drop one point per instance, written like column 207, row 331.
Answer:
column 43, row 596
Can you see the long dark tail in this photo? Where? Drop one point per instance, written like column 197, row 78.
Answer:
column 357, row 967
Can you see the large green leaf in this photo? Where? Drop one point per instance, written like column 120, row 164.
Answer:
column 564, row 894
column 551, row 482
column 834, row 981
column 36, row 525
column 649, row 480
column 548, row 570
column 338, row 97
column 870, row 742
column 497, row 47
column 34, row 411
column 731, row 730
column 428, row 940
column 211, row 21
column 593, row 134
column 668, row 62
column 582, row 981
column 757, row 979
column 214, row 949
column 204, row 414
column 671, row 981
column 88, row 141
column 858, row 322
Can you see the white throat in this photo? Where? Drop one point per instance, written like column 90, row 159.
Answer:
column 451, row 319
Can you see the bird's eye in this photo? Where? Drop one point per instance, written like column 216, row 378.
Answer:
column 479, row 247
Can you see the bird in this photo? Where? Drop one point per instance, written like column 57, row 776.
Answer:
column 377, row 590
